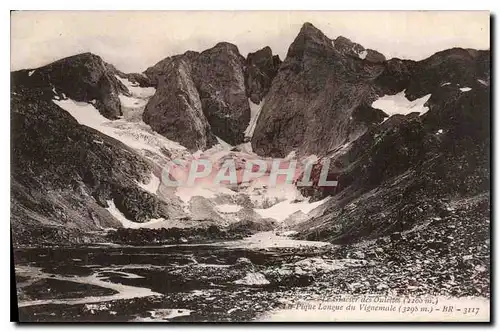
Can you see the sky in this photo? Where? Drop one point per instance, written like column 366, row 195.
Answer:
column 135, row 40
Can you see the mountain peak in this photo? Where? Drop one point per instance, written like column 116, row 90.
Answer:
column 226, row 47
column 87, row 56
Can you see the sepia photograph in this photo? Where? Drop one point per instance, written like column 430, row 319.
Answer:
column 250, row 166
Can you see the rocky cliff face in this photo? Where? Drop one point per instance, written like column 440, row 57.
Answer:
column 83, row 77
column 394, row 171
column 261, row 68
column 322, row 95
column 175, row 111
column 220, row 83
column 310, row 104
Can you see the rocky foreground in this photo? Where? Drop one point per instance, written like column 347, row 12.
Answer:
column 246, row 279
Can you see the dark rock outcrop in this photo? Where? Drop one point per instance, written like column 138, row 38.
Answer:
column 83, row 77
column 261, row 68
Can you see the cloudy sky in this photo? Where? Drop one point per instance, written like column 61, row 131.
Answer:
column 133, row 40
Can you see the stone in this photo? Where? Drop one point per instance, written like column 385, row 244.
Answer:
column 358, row 255
column 396, row 236
column 243, row 261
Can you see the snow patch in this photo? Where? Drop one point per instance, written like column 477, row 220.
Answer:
column 447, row 83
column 264, row 197
column 483, row 82
column 85, row 113
column 246, row 147
column 255, row 110
column 363, row 54
column 291, row 155
column 294, row 312
column 465, row 89
column 136, row 135
column 163, row 315
column 399, row 104
column 152, row 186
column 253, row 278
column 31, row 72
column 440, row 131
column 284, row 209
